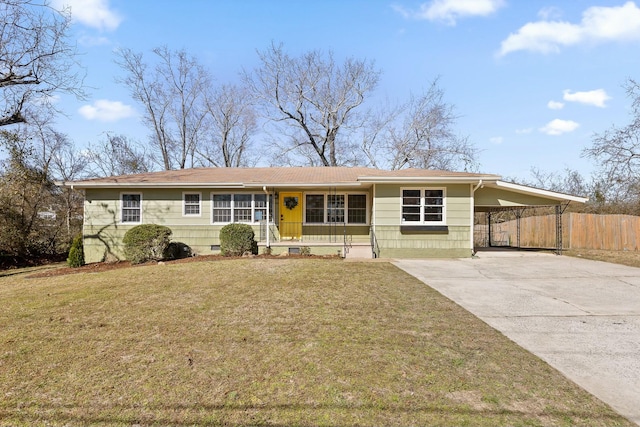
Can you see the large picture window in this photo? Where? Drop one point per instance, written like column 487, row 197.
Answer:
column 131, row 208
column 240, row 207
column 335, row 208
column 423, row 206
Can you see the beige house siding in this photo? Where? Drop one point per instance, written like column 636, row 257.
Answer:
column 103, row 230
column 392, row 242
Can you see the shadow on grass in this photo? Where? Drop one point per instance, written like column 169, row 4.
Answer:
column 260, row 415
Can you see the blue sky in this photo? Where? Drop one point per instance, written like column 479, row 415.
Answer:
column 532, row 80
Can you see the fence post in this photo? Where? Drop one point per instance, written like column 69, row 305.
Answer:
column 558, row 230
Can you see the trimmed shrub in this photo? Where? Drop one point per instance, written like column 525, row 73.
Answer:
column 237, row 239
column 146, row 242
column 76, row 253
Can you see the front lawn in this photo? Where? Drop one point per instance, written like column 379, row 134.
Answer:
column 265, row 342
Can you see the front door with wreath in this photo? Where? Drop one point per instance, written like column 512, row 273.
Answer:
column 290, row 215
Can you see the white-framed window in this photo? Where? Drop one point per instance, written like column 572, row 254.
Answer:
column 191, row 204
column 423, row 205
column 240, row 207
column 322, row 208
column 131, row 208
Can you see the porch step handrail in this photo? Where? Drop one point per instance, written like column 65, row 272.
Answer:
column 375, row 249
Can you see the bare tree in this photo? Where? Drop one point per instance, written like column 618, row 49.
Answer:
column 36, row 58
column 231, row 122
column 117, row 155
column 423, row 136
column 28, row 192
column 312, row 100
column 68, row 165
column 172, row 94
column 617, row 152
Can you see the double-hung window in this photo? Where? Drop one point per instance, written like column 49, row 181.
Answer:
column 191, row 204
column 131, row 208
column 357, row 209
column 240, row 207
column 314, row 208
column 335, row 208
column 260, row 207
column 423, row 206
column 221, row 207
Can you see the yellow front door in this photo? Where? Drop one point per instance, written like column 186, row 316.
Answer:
column 290, row 215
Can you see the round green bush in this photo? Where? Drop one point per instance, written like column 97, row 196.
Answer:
column 146, row 242
column 76, row 253
column 237, row 239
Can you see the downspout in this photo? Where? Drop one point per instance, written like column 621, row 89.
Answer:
column 373, row 222
column 473, row 212
column 264, row 188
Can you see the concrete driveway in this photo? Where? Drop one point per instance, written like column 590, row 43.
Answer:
column 580, row 316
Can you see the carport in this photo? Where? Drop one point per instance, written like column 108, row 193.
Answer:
column 498, row 201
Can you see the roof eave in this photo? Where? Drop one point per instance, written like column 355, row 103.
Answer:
column 542, row 193
column 84, row 185
column 429, row 179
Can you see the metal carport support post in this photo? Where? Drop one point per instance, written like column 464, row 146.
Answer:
column 559, row 211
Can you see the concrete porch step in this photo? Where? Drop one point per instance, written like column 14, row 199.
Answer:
column 359, row 250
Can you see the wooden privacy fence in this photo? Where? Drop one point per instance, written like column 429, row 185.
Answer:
column 579, row 231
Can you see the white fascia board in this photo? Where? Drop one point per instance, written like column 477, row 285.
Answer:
column 83, row 185
column 305, row 185
column 430, row 179
column 539, row 192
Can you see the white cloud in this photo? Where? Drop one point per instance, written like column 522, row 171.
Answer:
column 598, row 24
column 86, row 40
column 558, row 127
column 106, row 111
column 496, row 140
column 92, row 13
column 524, row 131
column 449, row 11
column 596, row 97
column 555, row 105
column 550, row 12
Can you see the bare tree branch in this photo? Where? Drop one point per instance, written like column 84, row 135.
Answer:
column 617, row 151
column 230, row 124
column 37, row 59
column 313, row 97
column 173, row 96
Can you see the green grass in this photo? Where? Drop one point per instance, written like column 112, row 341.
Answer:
column 265, row 342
